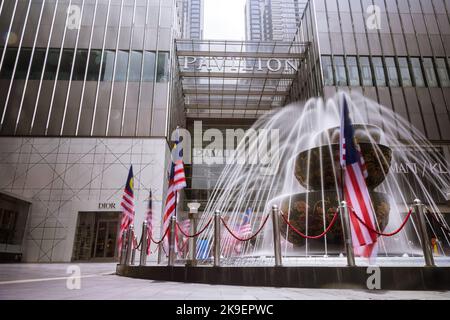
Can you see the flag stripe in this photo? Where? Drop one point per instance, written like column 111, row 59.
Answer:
column 355, row 188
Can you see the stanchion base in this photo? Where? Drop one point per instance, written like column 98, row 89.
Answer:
column 391, row 278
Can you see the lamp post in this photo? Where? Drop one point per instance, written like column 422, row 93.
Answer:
column 193, row 211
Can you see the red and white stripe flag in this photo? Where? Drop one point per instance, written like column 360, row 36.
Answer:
column 127, row 205
column 177, row 181
column 355, row 189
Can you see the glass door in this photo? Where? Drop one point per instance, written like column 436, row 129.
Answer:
column 106, row 237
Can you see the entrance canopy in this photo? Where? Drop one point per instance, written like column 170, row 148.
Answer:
column 236, row 79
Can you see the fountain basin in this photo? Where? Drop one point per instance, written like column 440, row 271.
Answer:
column 309, row 209
column 317, row 168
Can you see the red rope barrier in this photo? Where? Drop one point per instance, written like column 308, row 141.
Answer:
column 381, row 233
column 196, row 234
column 181, row 249
column 164, row 250
column 135, row 243
column 333, row 221
column 244, row 239
column 165, row 234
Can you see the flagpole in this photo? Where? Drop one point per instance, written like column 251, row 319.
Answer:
column 341, row 171
column 341, row 183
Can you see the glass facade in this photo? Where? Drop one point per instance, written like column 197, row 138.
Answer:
column 403, row 63
column 394, row 72
column 97, row 78
column 94, row 72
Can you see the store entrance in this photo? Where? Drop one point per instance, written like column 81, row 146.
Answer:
column 96, row 236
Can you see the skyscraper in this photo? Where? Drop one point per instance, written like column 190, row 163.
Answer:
column 253, row 20
column 276, row 20
column 192, row 12
column 84, row 87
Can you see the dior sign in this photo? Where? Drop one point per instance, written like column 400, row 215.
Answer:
column 240, row 64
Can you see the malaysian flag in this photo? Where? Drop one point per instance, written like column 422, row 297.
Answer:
column 355, row 189
column 127, row 205
column 148, row 219
column 177, row 181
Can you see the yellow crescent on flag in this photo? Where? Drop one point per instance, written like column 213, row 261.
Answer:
column 132, row 183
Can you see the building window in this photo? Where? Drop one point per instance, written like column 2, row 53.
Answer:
column 149, row 66
column 80, row 65
column 366, row 71
column 65, row 65
column 417, row 72
column 52, row 64
column 339, row 70
column 392, row 72
column 352, row 68
column 163, row 67
column 23, row 63
column 108, row 65
column 380, row 77
column 405, row 75
column 37, row 64
column 135, row 66
column 442, row 72
column 8, row 63
column 327, row 71
column 94, row 65
column 121, row 66
column 430, row 74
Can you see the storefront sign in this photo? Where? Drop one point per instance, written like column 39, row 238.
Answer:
column 240, row 64
column 106, row 205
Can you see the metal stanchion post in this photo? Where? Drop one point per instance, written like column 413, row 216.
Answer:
column 130, row 236
column 123, row 249
column 133, row 254
column 423, row 234
column 345, row 215
column 276, row 236
column 143, row 256
column 193, row 210
column 217, row 239
column 173, row 221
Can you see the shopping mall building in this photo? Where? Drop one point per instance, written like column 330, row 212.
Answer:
column 90, row 87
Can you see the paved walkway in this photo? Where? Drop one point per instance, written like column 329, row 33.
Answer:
column 98, row 281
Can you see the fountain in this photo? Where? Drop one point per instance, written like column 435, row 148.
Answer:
column 290, row 158
column 304, row 180
column 314, row 170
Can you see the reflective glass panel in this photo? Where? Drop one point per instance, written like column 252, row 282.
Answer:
column 380, row 77
column 135, row 66
column 366, row 71
column 327, row 71
column 442, row 72
column 405, row 75
column 352, row 69
column 417, row 72
column 392, row 72
column 430, row 74
column 339, row 69
column 149, row 66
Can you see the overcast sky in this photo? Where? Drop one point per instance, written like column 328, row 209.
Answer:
column 224, row 20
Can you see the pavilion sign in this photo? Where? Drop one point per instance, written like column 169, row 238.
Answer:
column 240, row 64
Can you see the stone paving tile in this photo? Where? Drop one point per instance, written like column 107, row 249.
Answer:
column 102, row 284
